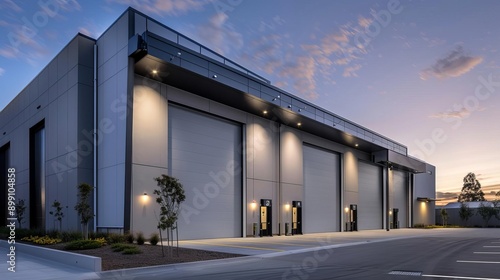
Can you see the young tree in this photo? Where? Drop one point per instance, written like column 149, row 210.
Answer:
column 83, row 207
column 57, row 213
column 170, row 195
column 444, row 216
column 486, row 211
column 471, row 190
column 465, row 212
column 20, row 209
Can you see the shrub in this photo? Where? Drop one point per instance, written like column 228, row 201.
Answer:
column 68, row 236
column 129, row 237
column 101, row 240
column 83, row 245
column 140, row 238
column 132, row 251
column 154, row 239
column 118, row 247
column 44, row 240
column 115, row 238
column 96, row 235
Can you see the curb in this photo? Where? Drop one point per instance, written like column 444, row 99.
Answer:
column 73, row 259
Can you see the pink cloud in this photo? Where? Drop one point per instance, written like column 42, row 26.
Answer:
column 455, row 64
column 170, row 7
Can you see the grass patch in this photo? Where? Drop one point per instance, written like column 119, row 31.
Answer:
column 126, row 249
column 119, row 247
column 83, row 245
column 132, row 251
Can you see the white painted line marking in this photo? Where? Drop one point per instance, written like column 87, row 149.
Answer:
column 458, row 277
column 491, row 253
column 477, row 262
column 491, row 246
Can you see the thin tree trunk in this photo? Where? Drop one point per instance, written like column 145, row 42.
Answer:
column 161, row 242
column 177, row 235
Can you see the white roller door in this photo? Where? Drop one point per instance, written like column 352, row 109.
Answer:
column 400, row 196
column 370, row 215
column 321, row 190
column 202, row 151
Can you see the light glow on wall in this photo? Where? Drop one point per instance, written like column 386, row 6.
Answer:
column 145, row 198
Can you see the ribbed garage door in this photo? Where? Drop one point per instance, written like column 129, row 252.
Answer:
column 202, row 151
column 370, row 196
column 321, row 189
column 400, row 196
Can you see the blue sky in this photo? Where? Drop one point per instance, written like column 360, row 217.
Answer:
column 423, row 73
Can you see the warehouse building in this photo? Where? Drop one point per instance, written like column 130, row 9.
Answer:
column 143, row 100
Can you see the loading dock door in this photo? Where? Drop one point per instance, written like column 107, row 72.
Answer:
column 370, row 195
column 201, row 149
column 321, row 189
column 400, row 196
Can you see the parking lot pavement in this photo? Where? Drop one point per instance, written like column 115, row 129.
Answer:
column 275, row 244
column 480, row 261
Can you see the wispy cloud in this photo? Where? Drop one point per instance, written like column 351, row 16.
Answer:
column 2, row 71
column 9, row 4
column 432, row 42
column 24, row 46
column 337, row 52
column 455, row 64
column 450, row 114
column 351, row 71
column 460, row 113
column 219, row 35
column 160, row 7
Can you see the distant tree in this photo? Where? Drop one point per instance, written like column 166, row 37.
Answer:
column 465, row 212
column 486, row 212
column 471, row 190
column 496, row 205
column 444, row 216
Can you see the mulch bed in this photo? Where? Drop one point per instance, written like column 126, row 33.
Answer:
column 150, row 256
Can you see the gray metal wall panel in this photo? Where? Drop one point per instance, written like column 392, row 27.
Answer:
column 400, row 196
column 201, row 148
column 370, row 196
column 321, row 189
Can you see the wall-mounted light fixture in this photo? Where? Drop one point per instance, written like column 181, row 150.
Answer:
column 264, row 112
column 145, row 197
column 299, row 124
column 346, row 209
column 154, row 72
column 253, row 205
column 390, row 212
column 356, row 145
column 214, row 76
column 277, row 97
column 287, row 206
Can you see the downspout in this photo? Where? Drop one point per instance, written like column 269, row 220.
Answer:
column 95, row 137
column 279, row 180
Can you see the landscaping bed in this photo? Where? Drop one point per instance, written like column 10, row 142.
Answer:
column 149, row 256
